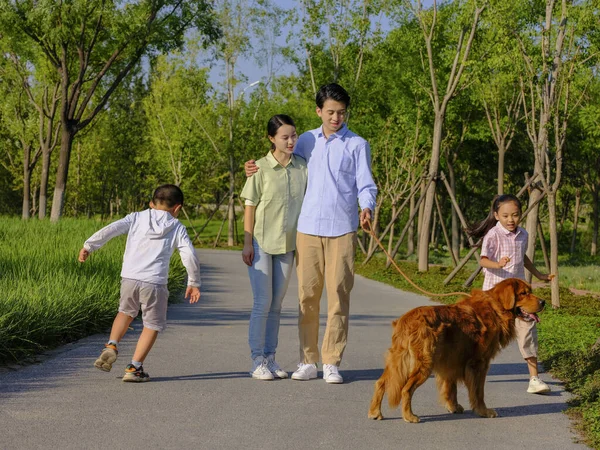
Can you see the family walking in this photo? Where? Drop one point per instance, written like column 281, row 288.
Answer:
column 300, row 203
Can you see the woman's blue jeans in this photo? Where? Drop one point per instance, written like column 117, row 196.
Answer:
column 269, row 278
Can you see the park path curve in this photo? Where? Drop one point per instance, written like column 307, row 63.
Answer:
column 201, row 396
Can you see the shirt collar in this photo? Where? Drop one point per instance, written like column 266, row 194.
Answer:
column 507, row 232
column 274, row 163
column 339, row 134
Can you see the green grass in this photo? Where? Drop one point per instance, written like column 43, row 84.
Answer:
column 48, row 298
column 206, row 239
column 566, row 335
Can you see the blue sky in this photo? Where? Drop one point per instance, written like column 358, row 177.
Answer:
column 251, row 69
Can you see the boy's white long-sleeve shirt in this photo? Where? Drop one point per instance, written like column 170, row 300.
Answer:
column 152, row 236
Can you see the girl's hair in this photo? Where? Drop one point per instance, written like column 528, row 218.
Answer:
column 276, row 122
column 480, row 229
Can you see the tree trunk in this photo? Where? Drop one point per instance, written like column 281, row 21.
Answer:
column 434, row 225
column 33, row 201
column 392, row 228
column 410, row 243
column 553, row 248
column 62, row 171
column 531, row 228
column 428, row 208
column 595, row 218
column 26, row 182
column 44, row 184
column 231, row 213
column 543, row 246
column 501, row 154
column 575, row 220
column 455, row 249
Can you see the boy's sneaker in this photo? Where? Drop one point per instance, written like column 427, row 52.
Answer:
column 274, row 367
column 135, row 375
column 260, row 370
column 107, row 358
column 537, row 386
column 305, row 372
column 331, row 374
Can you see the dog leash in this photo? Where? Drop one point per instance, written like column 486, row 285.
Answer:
column 372, row 233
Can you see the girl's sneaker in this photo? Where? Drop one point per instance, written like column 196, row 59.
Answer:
column 537, row 386
column 260, row 370
column 274, row 367
column 107, row 358
column 135, row 375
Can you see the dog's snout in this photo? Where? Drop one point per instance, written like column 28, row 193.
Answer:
column 542, row 303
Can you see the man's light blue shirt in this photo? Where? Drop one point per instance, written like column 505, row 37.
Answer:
column 339, row 173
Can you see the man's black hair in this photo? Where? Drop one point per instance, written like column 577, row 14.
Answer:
column 168, row 195
column 332, row 91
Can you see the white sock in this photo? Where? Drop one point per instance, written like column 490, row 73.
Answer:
column 136, row 364
column 113, row 343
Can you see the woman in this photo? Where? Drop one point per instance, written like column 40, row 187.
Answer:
column 273, row 201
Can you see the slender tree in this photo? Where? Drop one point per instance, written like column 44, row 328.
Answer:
column 93, row 46
column 547, row 86
column 466, row 16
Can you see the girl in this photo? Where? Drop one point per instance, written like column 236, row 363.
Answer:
column 503, row 256
column 273, row 201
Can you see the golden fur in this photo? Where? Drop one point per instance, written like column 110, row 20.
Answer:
column 456, row 342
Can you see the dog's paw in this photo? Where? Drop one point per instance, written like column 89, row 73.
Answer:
column 375, row 416
column 411, row 418
column 487, row 412
column 458, row 409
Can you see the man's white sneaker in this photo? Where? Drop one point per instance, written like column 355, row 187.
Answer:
column 305, row 372
column 260, row 371
column 537, row 386
column 274, row 367
column 331, row 374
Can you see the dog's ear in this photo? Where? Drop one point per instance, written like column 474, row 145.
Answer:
column 507, row 293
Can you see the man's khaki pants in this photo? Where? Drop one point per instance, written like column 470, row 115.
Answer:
column 329, row 261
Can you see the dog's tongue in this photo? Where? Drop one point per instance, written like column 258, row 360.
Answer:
column 531, row 317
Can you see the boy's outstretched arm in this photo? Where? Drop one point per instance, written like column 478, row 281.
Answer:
column 193, row 293
column 187, row 252
column 102, row 236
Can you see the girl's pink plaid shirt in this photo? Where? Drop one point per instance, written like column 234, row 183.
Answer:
column 500, row 242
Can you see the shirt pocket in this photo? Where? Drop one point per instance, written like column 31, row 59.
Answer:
column 342, row 161
column 344, row 170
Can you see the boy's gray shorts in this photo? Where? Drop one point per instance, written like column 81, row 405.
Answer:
column 152, row 298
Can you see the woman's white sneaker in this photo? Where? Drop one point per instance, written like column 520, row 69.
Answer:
column 305, row 372
column 274, row 368
column 331, row 374
column 260, row 370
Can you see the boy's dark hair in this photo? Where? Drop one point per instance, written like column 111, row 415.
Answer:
column 332, row 91
column 480, row 229
column 168, row 195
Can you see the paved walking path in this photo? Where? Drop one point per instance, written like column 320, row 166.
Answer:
column 201, row 396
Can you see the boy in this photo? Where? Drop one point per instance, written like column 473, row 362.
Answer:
column 339, row 174
column 152, row 235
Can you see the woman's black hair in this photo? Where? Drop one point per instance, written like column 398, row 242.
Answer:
column 332, row 91
column 480, row 229
column 276, row 122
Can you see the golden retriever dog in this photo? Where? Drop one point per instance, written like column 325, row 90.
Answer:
column 456, row 342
